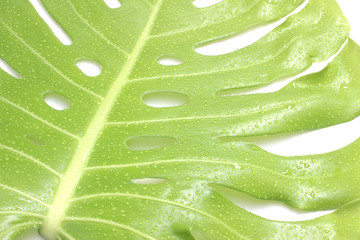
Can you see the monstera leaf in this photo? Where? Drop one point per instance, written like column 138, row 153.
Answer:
column 111, row 166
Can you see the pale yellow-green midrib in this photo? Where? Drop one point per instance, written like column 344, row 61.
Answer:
column 76, row 167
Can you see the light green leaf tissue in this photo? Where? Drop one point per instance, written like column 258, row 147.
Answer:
column 110, row 165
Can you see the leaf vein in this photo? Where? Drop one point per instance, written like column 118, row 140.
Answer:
column 262, row 110
column 63, row 232
column 23, row 194
column 34, row 160
column 39, row 119
column 22, row 213
column 95, row 168
column 95, row 30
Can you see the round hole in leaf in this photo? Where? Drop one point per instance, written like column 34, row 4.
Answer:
column 160, row 99
column 169, row 61
column 149, row 142
column 56, row 101
column 90, row 68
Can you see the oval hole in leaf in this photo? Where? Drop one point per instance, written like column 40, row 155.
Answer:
column 242, row 39
column 113, row 3
column 4, row 66
column 205, row 3
column 35, row 140
column 269, row 209
column 169, row 61
column 146, row 181
column 161, row 99
column 90, row 68
column 149, row 142
column 56, row 101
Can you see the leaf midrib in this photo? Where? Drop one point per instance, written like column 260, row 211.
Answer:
column 79, row 161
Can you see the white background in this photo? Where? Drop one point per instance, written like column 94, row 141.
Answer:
column 320, row 141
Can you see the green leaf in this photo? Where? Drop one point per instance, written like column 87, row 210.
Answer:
column 108, row 165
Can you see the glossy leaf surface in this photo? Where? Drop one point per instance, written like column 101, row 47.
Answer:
column 109, row 165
